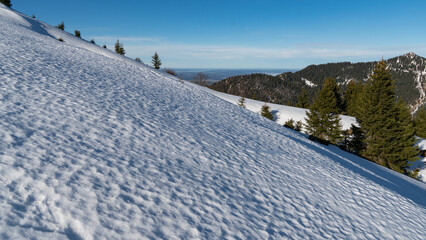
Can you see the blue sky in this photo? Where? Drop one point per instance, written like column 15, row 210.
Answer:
column 244, row 33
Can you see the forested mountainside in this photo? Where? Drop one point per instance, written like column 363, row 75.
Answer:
column 408, row 71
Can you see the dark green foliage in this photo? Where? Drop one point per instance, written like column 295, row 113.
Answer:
column 61, row 26
column 77, row 33
column 242, row 102
column 352, row 97
column 119, row 48
column 263, row 87
column 389, row 134
column 6, row 3
column 156, row 62
column 92, row 41
column 303, row 99
column 298, row 126
column 420, row 122
column 289, row 123
column 266, row 112
column 60, row 39
column 138, row 60
column 323, row 121
column 318, row 140
column 353, row 140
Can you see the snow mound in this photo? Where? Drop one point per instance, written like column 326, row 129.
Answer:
column 97, row 146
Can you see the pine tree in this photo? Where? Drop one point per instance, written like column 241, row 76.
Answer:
column 303, row 99
column 242, row 102
column 323, row 121
column 138, row 60
column 420, row 123
column 6, row 3
column 388, row 134
column 61, row 26
column 355, row 143
column 289, row 123
column 77, row 33
column 119, row 48
column 266, row 112
column 156, row 62
column 351, row 97
column 405, row 151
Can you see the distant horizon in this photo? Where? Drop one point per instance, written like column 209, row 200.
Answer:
column 244, row 34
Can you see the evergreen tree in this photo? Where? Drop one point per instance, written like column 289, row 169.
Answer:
column 303, row 99
column 388, row 134
column 61, row 26
column 119, row 48
column 323, row 121
column 405, row 150
column 156, row 62
column 6, row 3
column 242, row 102
column 355, row 142
column 351, row 97
column 77, row 33
column 266, row 112
column 138, row 60
column 298, row 126
column 289, row 123
column 420, row 123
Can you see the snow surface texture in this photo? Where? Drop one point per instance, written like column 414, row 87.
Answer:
column 96, row 146
column 284, row 113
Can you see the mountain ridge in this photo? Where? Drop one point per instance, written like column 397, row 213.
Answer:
column 408, row 71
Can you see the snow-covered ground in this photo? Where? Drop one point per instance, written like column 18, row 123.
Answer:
column 284, row 113
column 281, row 113
column 97, row 146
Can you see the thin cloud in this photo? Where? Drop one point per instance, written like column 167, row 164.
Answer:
column 129, row 39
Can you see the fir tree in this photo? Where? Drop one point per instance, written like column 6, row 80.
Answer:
column 6, row 2
column 323, row 121
column 303, row 99
column 77, row 33
column 61, row 26
column 420, row 123
column 242, row 102
column 156, row 62
column 355, row 142
column 289, row 123
column 266, row 112
column 298, row 126
column 405, row 150
column 138, row 60
column 351, row 97
column 119, row 48
column 388, row 134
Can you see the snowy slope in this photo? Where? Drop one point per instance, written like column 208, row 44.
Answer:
column 97, row 146
column 282, row 113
